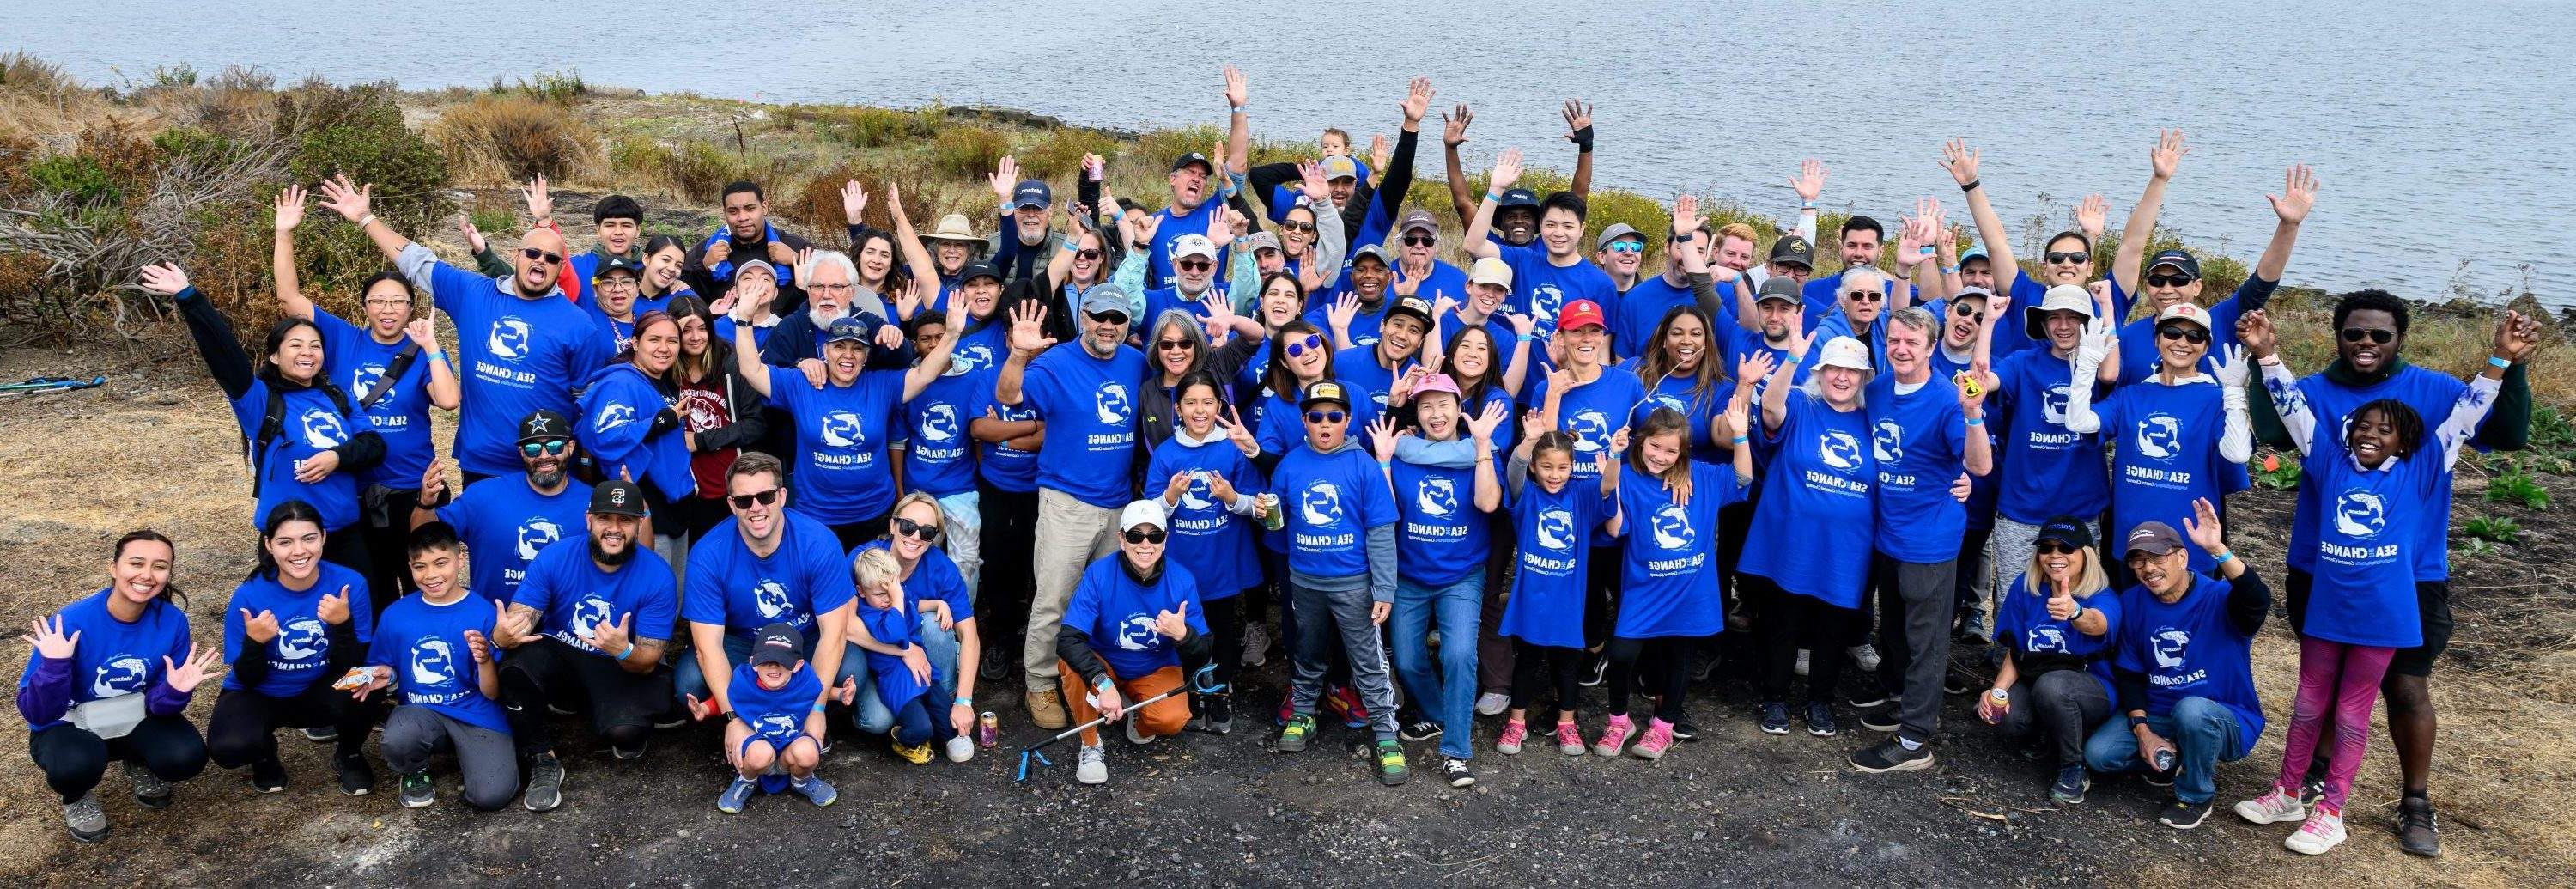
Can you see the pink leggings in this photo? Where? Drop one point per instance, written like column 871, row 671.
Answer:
column 2341, row 680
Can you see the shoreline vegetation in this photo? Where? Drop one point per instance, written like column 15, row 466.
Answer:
column 96, row 181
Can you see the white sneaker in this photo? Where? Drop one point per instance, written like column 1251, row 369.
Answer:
column 960, row 749
column 2275, row 806
column 1802, row 662
column 1493, row 703
column 1093, row 768
column 2323, row 831
column 1135, row 735
column 1256, row 645
column 1864, row 657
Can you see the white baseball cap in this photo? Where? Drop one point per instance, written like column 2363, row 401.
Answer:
column 1193, row 245
column 1143, row 512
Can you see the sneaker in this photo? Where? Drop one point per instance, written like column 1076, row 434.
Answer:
column 1341, row 701
column 2181, row 815
column 1872, row 694
column 1685, row 731
column 2275, row 806
column 1863, row 656
column 2323, row 831
column 1219, row 714
column 1046, row 709
column 1659, row 738
column 1891, row 756
column 736, row 794
column 545, row 784
column 815, row 790
column 2417, row 833
column 1956, row 682
column 626, row 753
column 960, row 749
column 1136, row 730
column 672, row 718
column 87, row 823
column 1820, row 719
column 149, row 789
column 1458, row 773
column 1569, row 739
column 1300, row 729
column 917, row 754
column 1775, row 719
column 2159, row 779
column 1391, row 768
column 1092, row 767
column 1973, row 627
column 268, row 775
column 1600, row 667
column 1509, row 742
column 1492, row 703
column 1256, row 645
column 1801, row 668
column 322, row 734
column 2312, row 791
column 1419, row 730
column 1614, row 737
column 996, row 665
column 1881, row 719
column 2072, row 781
column 416, row 790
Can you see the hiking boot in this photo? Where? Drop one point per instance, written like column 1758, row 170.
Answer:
column 545, row 784
column 1091, row 766
column 736, row 794
column 2181, row 815
column 1820, row 719
column 2275, row 806
column 1419, row 730
column 1659, row 738
column 917, row 754
column 1891, row 756
column 1293, row 737
column 1046, row 709
column 2072, row 782
column 1514, row 734
column 1614, row 737
column 1569, row 739
column 2323, row 831
column 1881, row 719
column 149, row 789
column 87, row 823
column 322, row 734
column 960, row 749
column 1391, row 768
column 268, row 775
column 996, row 665
column 815, row 790
column 417, row 793
column 2417, row 833
column 1457, row 772
column 1775, row 719
column 1492, row 703
column 1256, row 645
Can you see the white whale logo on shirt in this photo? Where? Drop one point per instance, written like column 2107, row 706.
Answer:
column 1438, row 497
column 121, row 674
column 509, row 339
column 771, row 598
column 433, row 663
column 842, row 429
column 2160, row 436
column 1887, row 441
column 323, row 429
column 1556, row 530
column 2052, row 405
column 1591, row 431
column 2360, row 513
column 1672, row 528
column 534, row 535
column 1838, row 449
column 302, row 639
column 1111, row 404
column 1321, row 504
column 939, row 424
column 2169, row 644
column 613, row 415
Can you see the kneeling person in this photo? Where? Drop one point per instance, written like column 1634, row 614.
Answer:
column 1133, row 626
column 775, row 736
column 435, row 647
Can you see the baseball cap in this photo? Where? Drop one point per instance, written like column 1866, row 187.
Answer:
column 616, row 206
column 779, row 643
column 1845, row 352
column 2183, row 312
column 850, row 328
column 1975, row 251
column 1143, row 512
column 1780, row 287
column 1032, row 195
column 1371, row 251
column 1794, row 249
column 2154, row 539
column 1436, row 383
column 1410, row 305
column 1193, row 245
column 1260, row 241
column 1420, row 219
column 544, row 425
column 1106, row 297
column 617, row 496
column 759, row 265
column 1972, row 293
column 1616, row 231
column 1580, row 312
column 1517, row 197
column 978, row 269
column 1183, row 162
column 2067, row 530
column 2061, row 298
column 1341, row 166
column 2181, row 260
column 616, row 264
column 1324, row 392
column 1490, row 270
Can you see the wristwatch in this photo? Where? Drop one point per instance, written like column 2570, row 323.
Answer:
column 1683, row 237
column 2137, row 722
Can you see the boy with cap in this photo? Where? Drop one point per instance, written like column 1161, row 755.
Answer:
column 1551, row 272
column 615, row 303
column 1374, row 370
column 2048, row 469
column 1134, row 628
column 441, row 635
column 2184, row 674
column 1341, row 570
column 774, row 736
column 504, row 526
column 908, row 683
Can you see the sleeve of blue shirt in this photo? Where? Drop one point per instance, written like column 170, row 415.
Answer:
column 705, row 602
column 787, row 388
column 661, row 606
column 1083, row 610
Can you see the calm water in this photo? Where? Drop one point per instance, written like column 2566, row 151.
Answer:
column 2441, row 130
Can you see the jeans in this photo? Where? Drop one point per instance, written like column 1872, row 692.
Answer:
column 690, row 678
column 486, row 759
column 1324, row 616
column 1915, row 601
column 74, row 760
column 869, row 711
column 1447, row 694
column 965, row 537
column 2203, row 732
column 1070, row 535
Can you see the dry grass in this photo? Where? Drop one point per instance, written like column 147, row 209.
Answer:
column 512, row 138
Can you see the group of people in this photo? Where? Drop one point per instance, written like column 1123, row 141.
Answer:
column 734, row 478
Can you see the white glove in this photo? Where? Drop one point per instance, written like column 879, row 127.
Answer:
column 2096, row 344
column 2232, row 369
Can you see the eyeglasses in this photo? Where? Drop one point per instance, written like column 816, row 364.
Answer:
column 1086, row 254
column 2070, row 257
column 2051, row 547
column 919, row 531
column 1149, row 535
column 1420, row 240
column 2377, row 336
column 2183, row 332
column 1867, row 296
column 830, row 288
column 2169, row 280
column 764, row 498
column 553, row 447
column 1195, row 265
column 1625, row 247
column 388, row 303
column 1325, row 416
column 1172, row 345
column 620, row 282
column 1112, row 316
column 1299, row 227
column 1299, row 347
column 541, row 255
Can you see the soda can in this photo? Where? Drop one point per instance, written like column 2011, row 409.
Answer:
column 988, row 730
column 1271, row 517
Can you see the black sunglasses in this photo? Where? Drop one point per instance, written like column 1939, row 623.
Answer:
column 1325, row 416
column 922, row 532
column 2183, row 332
column 1867, row 296
column 1149, row 535
column 1420, row 240
column 1109, row 317
column 1967, row 311
column 1195, row 265
column 1172, row 345
column 2069, row 257
column 764, row 498
column 1306, row 227
column 549, row 448
column 534, row 253
column 2055, row 548
column 2375, row 335
column 2169, row 280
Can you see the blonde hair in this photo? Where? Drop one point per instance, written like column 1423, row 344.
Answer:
column 2087, row 582
column 938, row 516
column 875, row 568
column 1737, row 230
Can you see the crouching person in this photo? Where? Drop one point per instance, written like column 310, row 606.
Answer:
column 774, row 737
column 2184, row 675
column 435, row 647
column 1133, row 627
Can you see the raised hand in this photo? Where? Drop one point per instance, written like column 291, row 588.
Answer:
column 473, row 236
column 907, row 300
column 2096, row 344
column 2168, row 154
column 1344, row 308
column 2516, row 336
column 1378, row 149
column 2202, row 527
column 49, row 641
column 261, row 627
column 1237, row 432
column 290, row 208
column 1685, row 214
column 1755, row 367
column 1146, row 224
column 1311, row 182
column 2231, row 368
column 1484, row 423
column 1381, row 434
column 1618, row 442
column 1810, row 180
column 1028, row 328
column 2298, row 195
column 334, row 607
column 349, row 200
column 1960, row 160
column 2089, row 216
column 1507, row 170
column 1521, row 324
column 1417, row 101
column 541, row 199
column 1453, row 125
column 1409, row 285
column 421, row 335
column 1004, row 178
column 165, row 279
column 1533, row 424
column 854, row 201
column 1237, row 94
column 610, row 638
column 2254, row 329
column 1175, row 623
column 1578, row 121
column 510, row 629
column 1093, row 167
column 188, row 672
column 2061, row 603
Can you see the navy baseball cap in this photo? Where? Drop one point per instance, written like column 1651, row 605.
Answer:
column 2181, row 260
column 1185, row 160
column 850, row 328
column 979, row 269
column 2067, row 530
column 1032, row 195
column 779, row 643
column 1517, row 197
column 544, row 425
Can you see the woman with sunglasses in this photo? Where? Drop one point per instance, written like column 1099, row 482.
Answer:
column 1177, row 348
column 2173, row 278
column 941, row 602
column 718, row 409
column 2181, row 436
column 1311, row 239
column 2055, row 631
column 1204, row 476
column 632, row 429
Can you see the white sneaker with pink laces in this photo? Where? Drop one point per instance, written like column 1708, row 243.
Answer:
column 2323, row 831
column 2275, row 806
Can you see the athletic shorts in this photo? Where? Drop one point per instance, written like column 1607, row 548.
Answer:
column 2433, row 609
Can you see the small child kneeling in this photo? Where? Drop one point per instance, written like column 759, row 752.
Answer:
column 775, row 737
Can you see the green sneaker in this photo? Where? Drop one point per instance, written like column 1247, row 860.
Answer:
column 1391, row 770
column 1301, row 728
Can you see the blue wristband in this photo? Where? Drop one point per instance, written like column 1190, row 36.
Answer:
column 629, row 652
column 818, row 708
column 2499, row 363
column 2223, row 558
column 1976, row 421
column 1741, row 439
column 438, row 356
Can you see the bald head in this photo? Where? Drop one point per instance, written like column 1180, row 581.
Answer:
column 538, row 274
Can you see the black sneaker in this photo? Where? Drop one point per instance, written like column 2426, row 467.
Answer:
column 545, row 783
column 355, row 777
column 268, row 775
column 2159, row 779
column 635, row 752
column 1220, row 714
column 322, row 734
column 1958, row 683
column 416, row 791
column 1419, row 730
column 1458, row 773
column 996, row 665
column 672, row 718
column 1871, row 694
column 1820, row 719
column 2311, row 792
column 1891, row 756
column 1600, row 667
column 2417, row 833
column 2181, row 815
column 1882, row 719
column 1685, row 731
column 2072, row 781
column 1775, row 719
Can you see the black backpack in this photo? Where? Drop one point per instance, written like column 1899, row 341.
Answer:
column 273, row 416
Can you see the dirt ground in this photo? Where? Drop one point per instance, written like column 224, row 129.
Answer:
column 156, row 447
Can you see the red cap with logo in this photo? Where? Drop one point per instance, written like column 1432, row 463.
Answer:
column 1579, row 313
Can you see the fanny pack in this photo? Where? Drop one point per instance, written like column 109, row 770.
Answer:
column 110, row 717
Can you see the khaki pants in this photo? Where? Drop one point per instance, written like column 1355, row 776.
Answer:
column 1070, row 535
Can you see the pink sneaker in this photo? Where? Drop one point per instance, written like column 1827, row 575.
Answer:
column 1569, row 739
column 1614, row 736
column 1659, row 738
column 1509, row 743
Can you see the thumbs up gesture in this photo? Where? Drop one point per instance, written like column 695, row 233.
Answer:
column 2061, row 605
column 334, row 608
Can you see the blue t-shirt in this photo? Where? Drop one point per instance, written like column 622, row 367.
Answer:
column 842, row 470
column 617, row 414
column 1667, row 582
column 2022, row 621
column 2052, row 471
column 2191, row 649
column 1089, row 404
column 895, row 684
column 1540, row 288
column 1813, row 526
column 938, row 455
column 302, row 649
column 776, row 715
column 1163, row 299
column 1679, row 392
column 619, row 335
column 982, row 346
column 358, row 363
column 1175, row 224
column 1920, row 442
column 934, row 578
column 1215, row 544
column 1117, row 613
column 1742, row 344
column 2431, row 394
column 1443, row 537
column 505, row 524
column 1005, row 467
column 309, row 422
column 804, row 578
column 1592, row 412
column 1359, row 367
column 517, row 356
column 2012, row 333
column 1642, row 308
column 1364, row 325
column 1546, row 607
column 2165, row 445
column 1331, row 501
column 116, row 658
column 2364, row 588
column 424, row 644
column 573, row 597
column 1838, row 324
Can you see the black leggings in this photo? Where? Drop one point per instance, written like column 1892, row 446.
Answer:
column 244, row 728
column 1009, row 535
column 1225, row 631
column 1533, row 664
column 1667, row 660
column 388, row 550
column 347, row 548
column 1601, row 595
column 547, row 671
column 1793, row 622
column 74, row 760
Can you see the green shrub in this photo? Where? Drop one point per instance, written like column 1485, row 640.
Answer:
column 2493, row 529
column 2517, row 486
column 1057, row 155
column 968, row 152
column 1611, row 206
column 357, row 131
column 80, row 178
column 879, row 127
column 1157, row 149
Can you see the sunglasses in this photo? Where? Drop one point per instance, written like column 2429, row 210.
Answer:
column 541, row 255
column 548, row 448
column 1086, row 254
column 2183, row 332
column 763, row 498
column 1109, row 317
column 919, row 531
column 1195, row 265
column 1867, row 296
column 1420, row 240
column 1299, row 227
column 2375, row 335
column 1625, row 247
column 1172, row 345
column 2169, row 280
column 1967, row 311
column 2052, row 547
column 1325, row 416
column 2069, row 258
column 1149, row 535
column 1300, row 347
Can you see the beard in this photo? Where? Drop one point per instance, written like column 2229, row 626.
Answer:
column 604, row 557
column 546, row 479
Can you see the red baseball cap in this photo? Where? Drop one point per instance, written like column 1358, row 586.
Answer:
column 1580, row 312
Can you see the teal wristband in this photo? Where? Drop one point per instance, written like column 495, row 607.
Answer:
column 962, row 701
column 438, row 356
column 1806, row 205
column 1976, row 421
column 2223, row 558
column 1949, row 270
column 1386, row 464
column 818, row 708
column 2499, row 363
column 1492, row 195
column 629, row 652
column 1741, row 439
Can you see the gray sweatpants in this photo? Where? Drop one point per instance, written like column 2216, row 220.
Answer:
column 1320, row 613
column 487, row 759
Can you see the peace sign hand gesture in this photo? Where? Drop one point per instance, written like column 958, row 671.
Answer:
column 49, row 640
column 1237, row 432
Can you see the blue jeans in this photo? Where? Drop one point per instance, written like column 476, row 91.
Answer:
column 687, row 678
column 1449, row 695
column 870, row 712
column 2203, row 731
